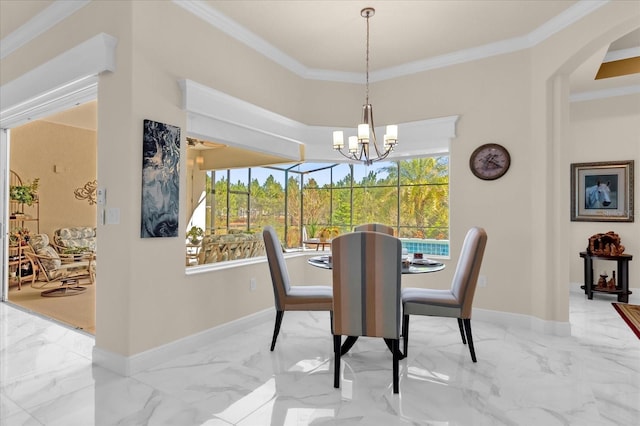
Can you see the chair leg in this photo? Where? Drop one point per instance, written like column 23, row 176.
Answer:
column 395, row 343
column 464, row 341
column 276, row 329
column 405, row 333
column 331, row 320
column 467, row 328
column 336, row 354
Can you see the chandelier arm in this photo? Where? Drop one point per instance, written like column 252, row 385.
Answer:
column 350, row 156
column 372, row 129
column 379, row 152
column 372, row 125
column 385, row 155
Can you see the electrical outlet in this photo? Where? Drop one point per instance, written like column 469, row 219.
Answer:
column 252, row 284
column 482, row 281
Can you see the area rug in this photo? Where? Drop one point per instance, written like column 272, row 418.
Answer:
column 77, row 311
column 630, row 314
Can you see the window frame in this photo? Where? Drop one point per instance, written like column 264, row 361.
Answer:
column 305, row 172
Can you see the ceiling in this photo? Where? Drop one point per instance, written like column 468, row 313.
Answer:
column 330, row 35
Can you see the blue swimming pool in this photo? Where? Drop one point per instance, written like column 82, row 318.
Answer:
column 429, row 247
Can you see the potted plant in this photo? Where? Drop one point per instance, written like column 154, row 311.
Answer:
column 195, row 234
column 328, row 233
column 14, row 239
column 324, row 235
column 25, row 194
column 313, row 228
column 19, row 236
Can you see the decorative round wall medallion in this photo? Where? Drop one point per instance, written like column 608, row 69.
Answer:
column 490, row 161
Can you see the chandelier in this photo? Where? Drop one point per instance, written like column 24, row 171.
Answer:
column 364, row 147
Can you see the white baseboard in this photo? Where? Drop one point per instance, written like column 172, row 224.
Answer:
column 555, row 328
column 128, row 366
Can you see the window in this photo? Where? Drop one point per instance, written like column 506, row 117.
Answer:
column 410, row 195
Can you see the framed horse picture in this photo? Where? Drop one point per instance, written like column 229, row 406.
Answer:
column 602, row 192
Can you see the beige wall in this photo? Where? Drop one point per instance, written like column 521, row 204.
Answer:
column 145, row 299
column 607, row 130
column 64, row 158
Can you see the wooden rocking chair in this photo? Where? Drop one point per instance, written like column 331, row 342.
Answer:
column 64, row 271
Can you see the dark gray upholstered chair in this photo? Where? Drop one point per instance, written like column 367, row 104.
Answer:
column 366, row 292
column 455, row 302
column 288, row 297
column 374, row 227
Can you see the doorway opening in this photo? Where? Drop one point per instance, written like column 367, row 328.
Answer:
column 55, row 158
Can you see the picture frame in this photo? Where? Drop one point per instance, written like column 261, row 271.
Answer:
column 602, row 191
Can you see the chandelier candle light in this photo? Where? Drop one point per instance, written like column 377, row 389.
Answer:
column 359, row 147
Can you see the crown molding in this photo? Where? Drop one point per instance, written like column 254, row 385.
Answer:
column 68, row 79
column 540, row 34
column 449, row 59
column 61, row 9
column 570, row 16
column 230, row 27
column 58, row 11
column 605, row 93
column 225, row 24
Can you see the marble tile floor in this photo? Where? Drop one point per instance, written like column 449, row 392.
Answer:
column 521, row 378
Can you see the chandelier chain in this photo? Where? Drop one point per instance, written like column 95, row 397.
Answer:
column 367, row 61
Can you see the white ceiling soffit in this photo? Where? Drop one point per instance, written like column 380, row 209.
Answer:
column 209, row 14
column 416, row 139
column 48, row 18
column 220, row 117
column 583, row 87
column 617, row 55
column 217, row 116
column 68, row 79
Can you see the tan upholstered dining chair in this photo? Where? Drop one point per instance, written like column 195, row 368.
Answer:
column 288, row 297
column 455, row 302
column 366, row 292
column 374, row 227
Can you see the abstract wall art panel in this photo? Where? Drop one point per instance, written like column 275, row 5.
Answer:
column 160, row 180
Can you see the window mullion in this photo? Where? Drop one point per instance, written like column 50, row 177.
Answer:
column 398, row 204
column 249, row 199
column 228, row 198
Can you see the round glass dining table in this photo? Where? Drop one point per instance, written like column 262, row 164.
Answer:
column 416, row 266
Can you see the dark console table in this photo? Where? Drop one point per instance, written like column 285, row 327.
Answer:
column 622, row 283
